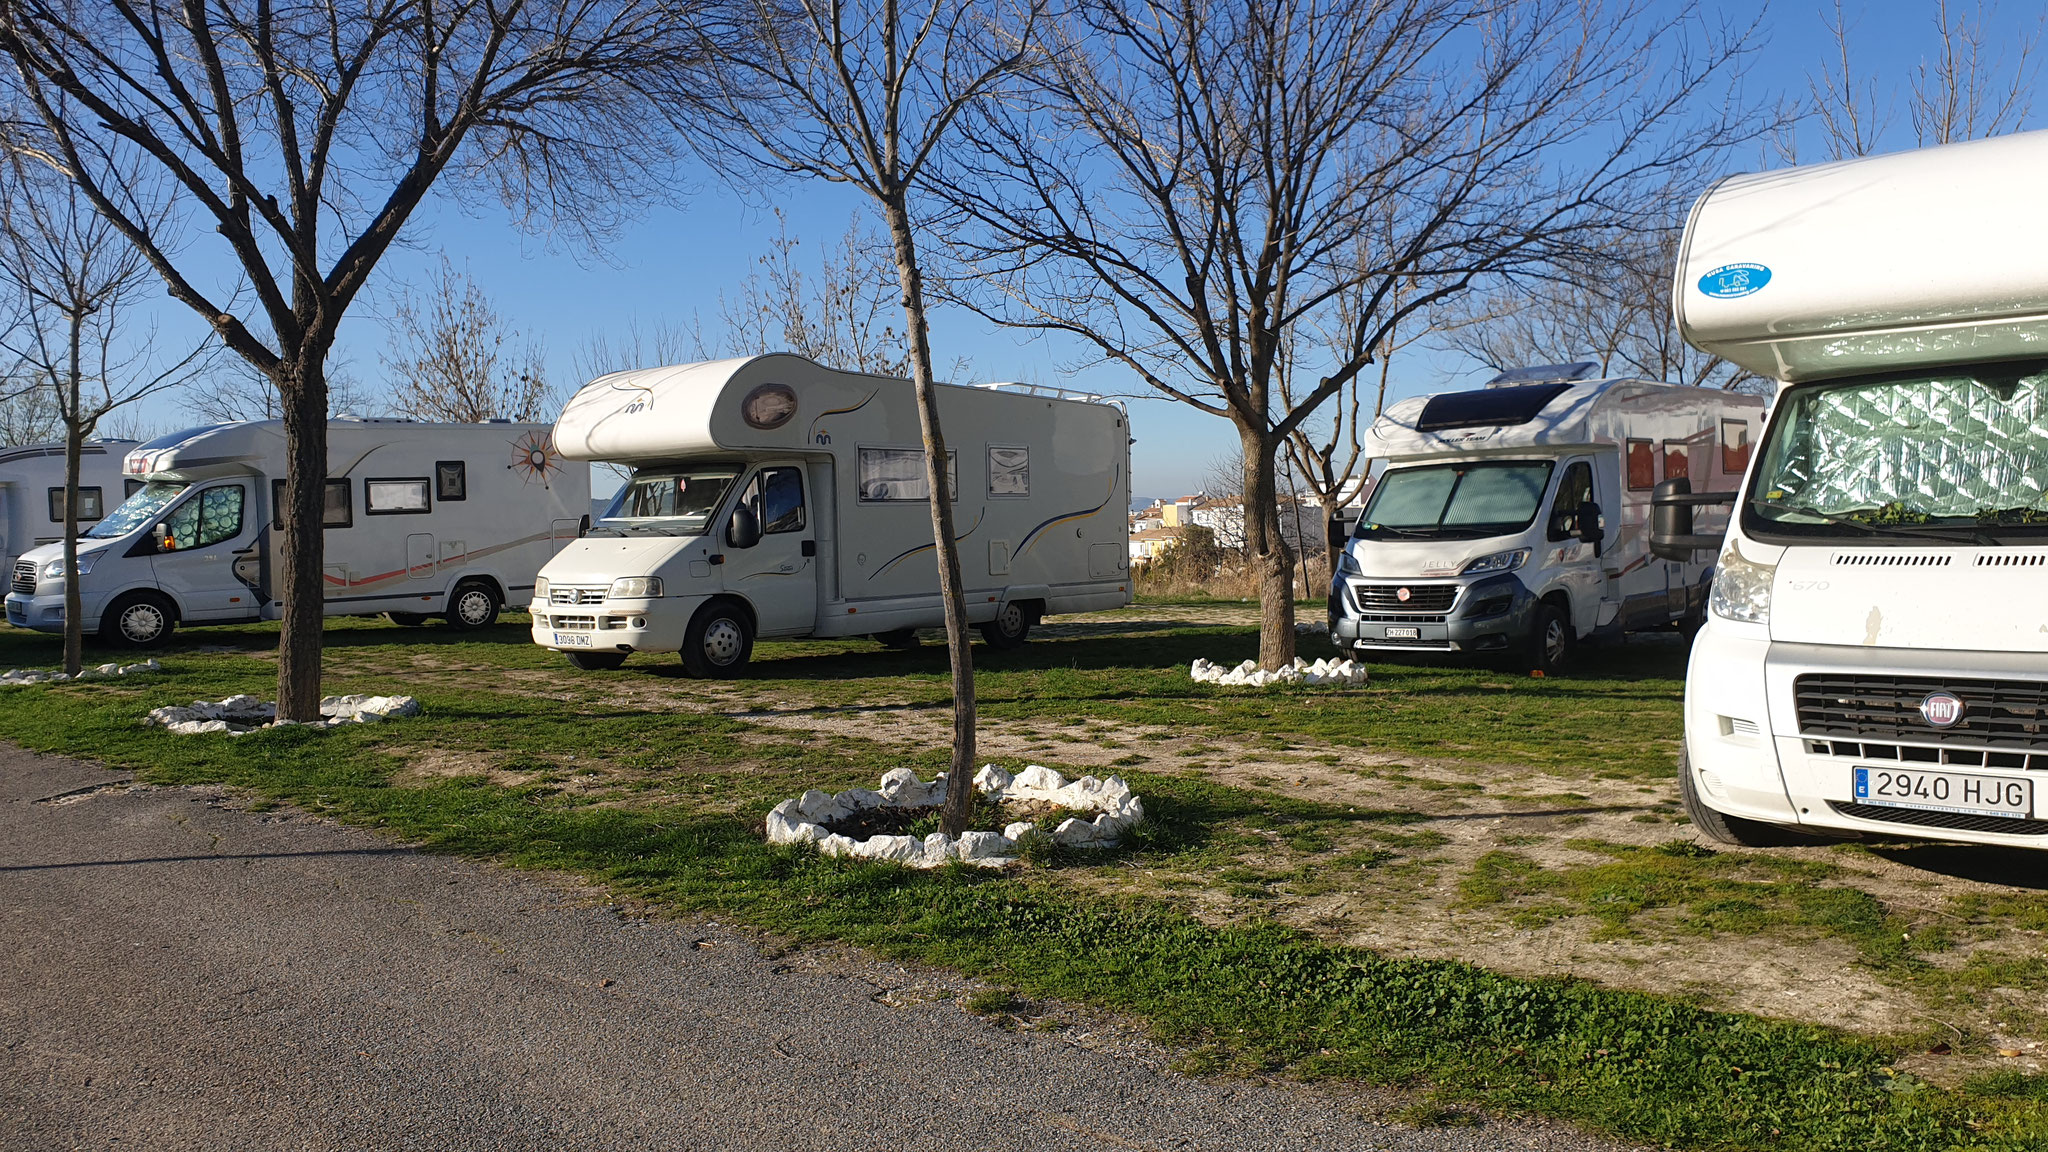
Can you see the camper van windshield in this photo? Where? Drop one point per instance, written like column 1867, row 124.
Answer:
column 669, row 501
column 1960, row 456
column 1455, row 501
column 137, row 510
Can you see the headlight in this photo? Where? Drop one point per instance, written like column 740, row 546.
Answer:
column 1742, row 588
column 1347, row 564
column 636, row 588
column 1497, row 562
column 540, row 588
column 54, row 570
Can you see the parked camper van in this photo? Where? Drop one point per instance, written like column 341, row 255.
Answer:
column 774, row 497
column 422, row 519
column 1512, row 521
column 32, row 491
column 1876, row 655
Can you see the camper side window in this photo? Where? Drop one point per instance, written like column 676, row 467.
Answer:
column 1734, row 447
column 1676, row 462
column 890, row 475
column 130, row 488
column 1009, row 471
column 1642, row 465
column 1573, row 491
column 451, row 480
column 396, row 497
column 337, row 511
column 211, row 517
column 776, row 497
column 90, row 506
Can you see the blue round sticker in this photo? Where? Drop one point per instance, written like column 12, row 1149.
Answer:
column 1730, row 281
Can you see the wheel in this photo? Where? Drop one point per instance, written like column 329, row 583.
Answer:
column 1732, row 829
column 718, row 642
column 902, row 639
column 1011, row 627
column 472, row 605
column 1550, row 644
column 406, row 619
column 139, row 620
column 597, row 661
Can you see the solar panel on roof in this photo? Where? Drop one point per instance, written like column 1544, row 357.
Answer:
column 1487, row 408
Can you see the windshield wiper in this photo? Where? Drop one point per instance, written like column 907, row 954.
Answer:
column 1934, row 532
column 1417, row 533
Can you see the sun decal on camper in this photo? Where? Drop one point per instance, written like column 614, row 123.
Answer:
column 534, row 457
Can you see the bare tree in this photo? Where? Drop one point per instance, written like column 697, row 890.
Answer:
column 839, row 319
column 1611, row 306
column 452, row 357
column 866, row 93
column 28, row 415
column 1976, row 84
column 232, row 389
column 636, row 346
column 305, row 136
column 74, row 279
column 1197, row 178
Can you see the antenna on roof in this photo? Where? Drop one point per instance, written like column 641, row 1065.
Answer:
column 1545, row 374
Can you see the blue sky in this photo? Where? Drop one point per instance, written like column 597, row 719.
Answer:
column 673, row 263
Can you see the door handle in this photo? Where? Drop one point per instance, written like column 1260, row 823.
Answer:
column 810, row 548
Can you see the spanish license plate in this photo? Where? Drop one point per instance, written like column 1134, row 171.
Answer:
column 1944, row 791
column 1404, row 633
column 573, row 640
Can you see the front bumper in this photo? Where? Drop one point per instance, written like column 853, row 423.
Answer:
column 44, row 611
column 1750, row 759
column 655, row 625
column 1490, row 614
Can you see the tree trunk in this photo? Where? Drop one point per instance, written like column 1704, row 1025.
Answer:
column 74, row 623
column 1267, row 547
column 959, row 807
column 302, row 390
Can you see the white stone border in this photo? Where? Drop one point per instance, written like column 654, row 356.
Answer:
column 1250, row 675
column 800, row 820
column 240, row 715
column 21, row 676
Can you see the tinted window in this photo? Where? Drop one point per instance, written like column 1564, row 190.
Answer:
column 1575, row 489
column 89, row 505
column 451, row 480
column 394, row 497
column 776, row 497
column 208, row 518
column 337, row 511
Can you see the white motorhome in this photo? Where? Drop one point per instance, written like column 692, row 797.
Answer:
column 771, row 496
column 1875, row 659
column 1512, row 521
column 32, row 492
column 421, row 519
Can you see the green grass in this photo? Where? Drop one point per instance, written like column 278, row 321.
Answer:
column 678, row 833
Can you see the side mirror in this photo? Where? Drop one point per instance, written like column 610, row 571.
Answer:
column 1590, row 531
column 162, row 535
column 744, row 529
column 1339, row 528
column 1671, row 525
column 583, row 526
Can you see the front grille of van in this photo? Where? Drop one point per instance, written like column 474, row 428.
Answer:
column 1908, row 754
column 24, row 577
column 1961, row 821
column 1996, row 713
column 573, row 623
column 560, row 595
column 1423, row 599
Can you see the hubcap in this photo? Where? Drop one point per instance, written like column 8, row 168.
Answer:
column 1553, row 642
column 474, row 607
column 722, row 642
column 142, row 623
column 1010, row 620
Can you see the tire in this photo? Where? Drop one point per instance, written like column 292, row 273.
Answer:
column 1728, row 829
column 1010, row 628
column 597, row 661
column 472, row 606
column 139, row 620
column 407, row 619
column 901, row 639
column 718, row 643
column 1551, row 641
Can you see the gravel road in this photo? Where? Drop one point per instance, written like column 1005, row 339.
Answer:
column 184, row 974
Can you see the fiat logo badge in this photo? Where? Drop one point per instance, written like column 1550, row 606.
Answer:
column 1941, row 710
column 1403, row 595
